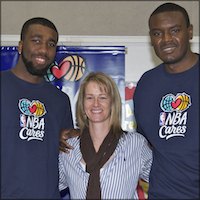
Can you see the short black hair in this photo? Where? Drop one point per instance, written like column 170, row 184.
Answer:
column 37, row 20
column 171, row 7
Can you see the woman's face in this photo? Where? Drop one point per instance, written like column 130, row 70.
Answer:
column 97, row 104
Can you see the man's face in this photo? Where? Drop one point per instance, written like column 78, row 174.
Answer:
column 170, row 36
column 38, row 49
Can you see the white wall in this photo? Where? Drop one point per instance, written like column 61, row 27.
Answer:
column 97, row 17
column 139, row 58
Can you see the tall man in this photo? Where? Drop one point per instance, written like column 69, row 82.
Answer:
column 166, row 106
column 33, row 112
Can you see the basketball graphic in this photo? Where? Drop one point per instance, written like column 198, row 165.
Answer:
column 38, row 109
column 185, row 101
column 70, row 68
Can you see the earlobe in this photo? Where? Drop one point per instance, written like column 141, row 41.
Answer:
column 191, row 32
column 20, row 47
column 151, row 43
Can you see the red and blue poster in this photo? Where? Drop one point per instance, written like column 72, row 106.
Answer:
column 73, row 63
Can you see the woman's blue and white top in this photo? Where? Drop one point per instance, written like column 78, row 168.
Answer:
column 119, row 176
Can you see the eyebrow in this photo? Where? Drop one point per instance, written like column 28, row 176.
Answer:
column 40, row 36
column 159, row 28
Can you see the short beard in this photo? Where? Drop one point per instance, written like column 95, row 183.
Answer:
column 32, row 70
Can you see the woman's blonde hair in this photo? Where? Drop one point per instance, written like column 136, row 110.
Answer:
column 107, row 84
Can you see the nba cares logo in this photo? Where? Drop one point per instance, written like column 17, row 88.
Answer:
column 70, row 68
column 32, row 108
column 179, row 103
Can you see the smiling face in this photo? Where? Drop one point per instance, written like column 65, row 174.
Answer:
column 97, row 103
column 170, row 36
column 38, row 49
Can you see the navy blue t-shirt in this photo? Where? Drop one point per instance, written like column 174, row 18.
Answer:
column 32, row 116
column 166, row 108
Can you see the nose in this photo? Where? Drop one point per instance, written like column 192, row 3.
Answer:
column 43, row 48
column 167, row 37
column 96, row 102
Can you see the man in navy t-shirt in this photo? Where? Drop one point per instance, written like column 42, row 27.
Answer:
column 33, row 113
column 166, row 106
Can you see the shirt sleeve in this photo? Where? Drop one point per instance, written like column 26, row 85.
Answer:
column 62, row 176
column 146, row 156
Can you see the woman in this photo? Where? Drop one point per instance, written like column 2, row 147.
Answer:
column 106, row 162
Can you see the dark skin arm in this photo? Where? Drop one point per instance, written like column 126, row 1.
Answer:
column 64, row 135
